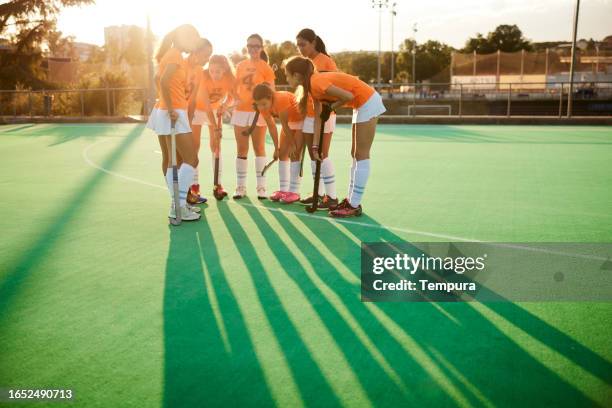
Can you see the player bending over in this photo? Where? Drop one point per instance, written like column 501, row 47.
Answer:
column 340, row 89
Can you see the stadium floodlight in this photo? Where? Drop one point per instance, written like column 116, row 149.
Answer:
column 573, row 62
column 379, row 4
column 393, row 14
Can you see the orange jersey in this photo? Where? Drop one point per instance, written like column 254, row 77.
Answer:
column 285, row 102
column 217, row 91
column 324, row 62
column 178, row 82
column 321, row 81
column 248, row 75
column 192, row 72
column 321, row 63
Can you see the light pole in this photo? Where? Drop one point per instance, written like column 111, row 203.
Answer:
column 379, row 4
column 414, row 45
column 393, row 14
column 571, row 85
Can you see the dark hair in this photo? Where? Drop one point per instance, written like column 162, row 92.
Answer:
column 310, row 36
column 170, row 38
column 263, row 91
column 263, row 55
column 303, row 66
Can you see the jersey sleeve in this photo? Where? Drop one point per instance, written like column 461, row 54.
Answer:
column 319, row 84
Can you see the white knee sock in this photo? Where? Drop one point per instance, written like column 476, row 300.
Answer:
column 169, row 182
column 185, row 176
column 283, row 175
column 196, row 175
column 241, row 172
column 260, row 163
column 220, row 168
column 328, row 177
column 351, row 178
column 295, row 180
column 362, row 172
column 313, row 167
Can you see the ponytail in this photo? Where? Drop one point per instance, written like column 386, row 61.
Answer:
column 310, row 36
column 320, row 46
column 304, row 67
column 165, row 45
column 264, row 55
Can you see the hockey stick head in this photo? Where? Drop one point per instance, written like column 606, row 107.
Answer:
column 251, row 129
column 267, row 166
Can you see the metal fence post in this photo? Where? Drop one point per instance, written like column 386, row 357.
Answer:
column 561, row 101
column 414, row 100
column 30, row 101
column 15, row 104
column 460, row 99
column 114, row 104
column 509, row 99
column 82, row 103
column 107, row 101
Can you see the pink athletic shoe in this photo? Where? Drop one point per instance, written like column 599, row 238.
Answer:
column 290, row 197
column 277, row 195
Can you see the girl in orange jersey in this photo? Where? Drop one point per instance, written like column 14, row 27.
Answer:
column 249, row 73
column 194, row 65
column 283, row 105
column 312, row 47
column 340, row 89
column 172, row 107
column 212, row 99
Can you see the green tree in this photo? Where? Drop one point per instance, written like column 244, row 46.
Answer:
column 506, row 38
column 432, row 61
column 25, row 23
column 277, row 53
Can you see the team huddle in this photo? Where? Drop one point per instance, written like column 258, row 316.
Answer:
column 200, row 89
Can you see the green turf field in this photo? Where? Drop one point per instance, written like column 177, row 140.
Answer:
column 258, row 303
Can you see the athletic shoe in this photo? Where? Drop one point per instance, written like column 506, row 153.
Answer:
column 277, row 195
column 219, row 192
column 193, row 208
column 261, row 193
column 195, row 189
column 346, row 211
column 195, row 198
column 343, row 204
column 328, row 203
column 306, row 201
column 240, row 192
column 290, row 197
column 186, row 214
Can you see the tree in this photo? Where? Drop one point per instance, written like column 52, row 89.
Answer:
column 25, row 24
column 505, row 38
column 432, row 61
column 277, row 53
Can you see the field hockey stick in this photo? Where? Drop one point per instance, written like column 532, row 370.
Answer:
column 302, row 159
column 175, row 184
column 217, row 150
column 325, row 112
column 267, row 166
column 251, row 128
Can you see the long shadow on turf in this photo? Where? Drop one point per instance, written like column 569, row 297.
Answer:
column 28, row 260
column 312, row 386
column 471, row 351
column 380, row 388
column 209, row 358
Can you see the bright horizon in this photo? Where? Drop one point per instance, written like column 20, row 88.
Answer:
column 443, row 20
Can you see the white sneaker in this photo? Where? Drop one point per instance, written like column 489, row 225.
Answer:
column 262, row 194
column 240, row 192
column 193, row 208
column 186, row 214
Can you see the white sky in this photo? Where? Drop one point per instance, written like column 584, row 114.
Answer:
column 343, row 24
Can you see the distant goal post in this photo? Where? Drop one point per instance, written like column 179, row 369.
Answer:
column 413, row 110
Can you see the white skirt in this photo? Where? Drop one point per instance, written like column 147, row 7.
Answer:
column 159, row 122
column 296, row 125
column 200, row 117
column 330, row 125
column 244, row 119
column 372, row 108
